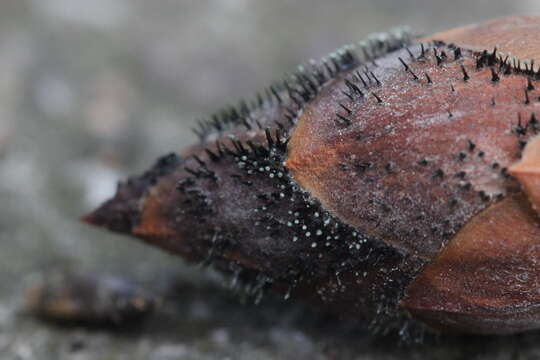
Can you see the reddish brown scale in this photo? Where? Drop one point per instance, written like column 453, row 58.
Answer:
column 429, row 148
column 397, row 193
column 432, row 134
column 486, row 280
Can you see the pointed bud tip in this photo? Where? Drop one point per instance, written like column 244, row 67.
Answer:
column 116, row 214
column 89, row 219
column 121, row 212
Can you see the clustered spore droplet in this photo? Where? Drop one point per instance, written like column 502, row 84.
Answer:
column 294, row 241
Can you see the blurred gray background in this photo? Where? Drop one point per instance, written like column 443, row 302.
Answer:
column 91, row 91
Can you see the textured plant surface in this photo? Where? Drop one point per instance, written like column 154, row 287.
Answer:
column 384, row 180
column 93, row 91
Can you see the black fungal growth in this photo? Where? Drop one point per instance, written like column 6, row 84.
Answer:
column 282, row 101
column 235, row 201
column 294, row 241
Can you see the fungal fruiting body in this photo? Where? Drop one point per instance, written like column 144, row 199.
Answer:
column 393, row 182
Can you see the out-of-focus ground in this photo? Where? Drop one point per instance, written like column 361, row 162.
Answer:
column 91, row 91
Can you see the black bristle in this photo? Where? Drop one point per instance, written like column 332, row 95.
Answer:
column 457, row 53
column 343, row 121
column 438, row 174
column 379, row 100
column 461, row 174
column 410, row 53
column 408, row 69
column 219, row 147
column 492, row 58
column 520, row 129
column 328, row 68
column 368, row 77
column 507, row 69
column 439, row 59
column 494, row 76
column 246, row 123
column 198, row 159
column 349, row 96
column 361, row 78
column 269, row 138
column 423, row 52
column 375, row 78
column 192, row 171
column 390, row 166
column 504, row 62
column 349, row 111
column 530, row 85
column 200, row 134
column 211, row 155
column 535, row 125
column 443, row 55
column 290, row 119
column 465, row 75
column 276, row 94
column 481, row 60
column 239, row 147
column 484, row 196
column 354, row 89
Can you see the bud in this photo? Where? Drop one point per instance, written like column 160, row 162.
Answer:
column 386, row 182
